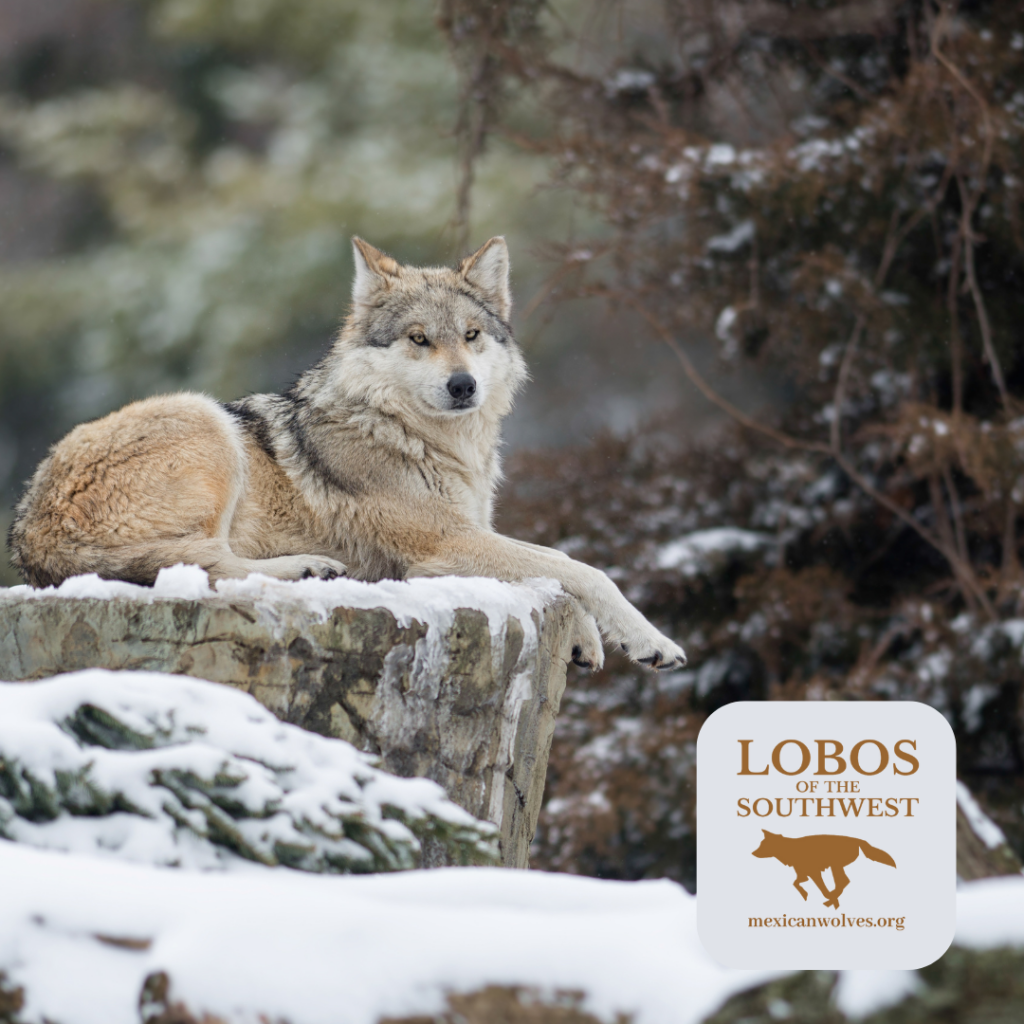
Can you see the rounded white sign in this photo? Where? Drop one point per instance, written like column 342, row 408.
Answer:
column 826, row 835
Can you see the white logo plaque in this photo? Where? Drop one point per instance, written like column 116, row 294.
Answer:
column 826, row 835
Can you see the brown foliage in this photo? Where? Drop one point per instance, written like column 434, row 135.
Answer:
column 831, row 189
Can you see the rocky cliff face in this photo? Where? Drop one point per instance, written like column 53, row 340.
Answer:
column 454, row 680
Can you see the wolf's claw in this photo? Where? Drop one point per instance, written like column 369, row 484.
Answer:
column 323, row 569
column 587, row 650
column 323, row 574
column 662, row 656
column 578, row 659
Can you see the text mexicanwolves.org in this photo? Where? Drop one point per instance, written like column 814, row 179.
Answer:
column 826, row 922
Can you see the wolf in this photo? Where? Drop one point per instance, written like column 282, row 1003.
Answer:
column 381, row 461
column 810, row 855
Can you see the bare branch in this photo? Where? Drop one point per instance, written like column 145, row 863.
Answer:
column 958, row 517
column 861, row 17
column 835, row 427
column 984, row 325
column 961, row 569
column 850, row 84
column 938, row 32
column 691, row 371
column 956, row 354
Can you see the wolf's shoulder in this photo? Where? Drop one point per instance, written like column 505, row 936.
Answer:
column 263, row 417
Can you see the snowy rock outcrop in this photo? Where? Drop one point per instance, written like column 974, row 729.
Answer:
column 455, row 680
column 164, row 770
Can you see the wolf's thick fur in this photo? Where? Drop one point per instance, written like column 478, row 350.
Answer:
column 383, row 458
column 810, row 855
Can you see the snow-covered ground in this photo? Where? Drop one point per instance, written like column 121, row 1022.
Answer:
column 342, row 950
column 81, row 934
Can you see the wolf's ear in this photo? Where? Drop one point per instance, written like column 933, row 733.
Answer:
column 487, row 271
column 374, row 270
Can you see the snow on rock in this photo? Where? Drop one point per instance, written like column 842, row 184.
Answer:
column 981, row 824
column 703, row 550
column 430, row 601
column 277, row 945
column 862, row 993
column 990, row 913
column 164, row 769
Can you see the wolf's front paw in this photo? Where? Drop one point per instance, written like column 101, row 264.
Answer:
column 587, row 648
column 654, row 650
column 318, row 567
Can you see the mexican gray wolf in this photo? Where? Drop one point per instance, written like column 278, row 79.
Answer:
column 379, row 462
column 810, row 855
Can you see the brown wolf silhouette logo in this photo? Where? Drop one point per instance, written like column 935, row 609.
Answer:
column 810, row 855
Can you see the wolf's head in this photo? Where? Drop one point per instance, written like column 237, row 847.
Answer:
column 769, row 845
column 431, row 340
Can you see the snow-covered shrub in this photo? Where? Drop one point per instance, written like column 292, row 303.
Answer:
column 168, row 770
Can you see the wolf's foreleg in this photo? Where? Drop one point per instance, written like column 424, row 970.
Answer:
column 483, row 553
column 141, row 562
column 799, row 888
column 841, row 880
column 225, row 564
column 816, row 878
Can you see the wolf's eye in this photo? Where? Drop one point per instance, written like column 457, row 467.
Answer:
column 419, row 338
column 472, row 334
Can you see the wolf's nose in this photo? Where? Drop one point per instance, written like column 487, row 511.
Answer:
column 461, row 386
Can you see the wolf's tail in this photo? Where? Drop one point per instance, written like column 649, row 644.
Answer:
column 873, row 853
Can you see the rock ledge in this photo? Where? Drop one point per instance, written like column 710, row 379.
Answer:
column 456, row 680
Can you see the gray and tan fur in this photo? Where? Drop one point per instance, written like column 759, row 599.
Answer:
column 381, row 461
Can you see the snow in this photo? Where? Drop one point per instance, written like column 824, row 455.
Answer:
column 345, row 950
column 981, row 824
column 695, row 552
column 629, row 80
column 861, row 993
column 935, row 667
column 432, row 602
column 202, row 761
column 316, row 949
column 1013, row 631
column 990, row 913
column 735, row 239
column 721, row 153
column 974, row 701
column 426, row 600
column 724, row 324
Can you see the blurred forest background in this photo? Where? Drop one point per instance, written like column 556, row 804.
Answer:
column 770, row 269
